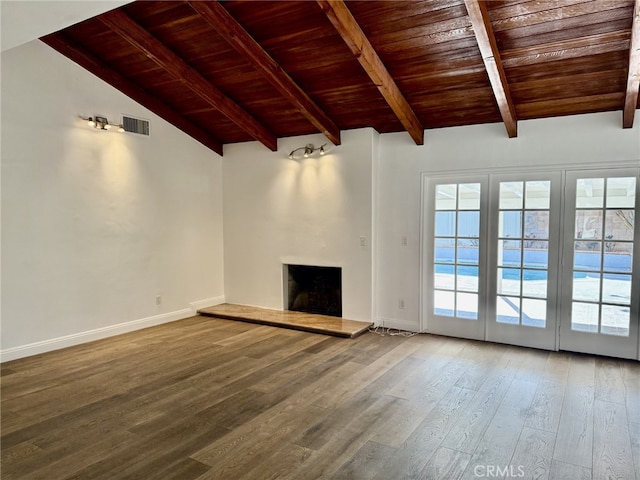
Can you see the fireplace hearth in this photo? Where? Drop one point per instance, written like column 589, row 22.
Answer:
column 314, row 289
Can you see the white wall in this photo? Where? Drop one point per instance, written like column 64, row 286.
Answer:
column 595, row 140
column 25, row 20
column 96, row 224
column 311, row 211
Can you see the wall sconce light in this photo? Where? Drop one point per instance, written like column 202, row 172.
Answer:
column 308, row 150
column 101, row 123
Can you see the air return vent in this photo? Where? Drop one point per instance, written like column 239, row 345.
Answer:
column 135, row 125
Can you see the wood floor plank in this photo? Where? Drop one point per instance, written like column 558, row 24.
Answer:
column 612, row 454
column 310, row 351
column 284, row 458
column 343, row 391
column 470, row 427
column 477, row 371
column 534, row 453
column 574, row 441
column 566, row 471
column 634, row 433
column 446, row 463
column 498, row 442
column 57, row 464
column 417, row 383
column 365, row 463
column 346, row 440
column 546, row 407
column 209, row 398
column 414, row 454
column 399, row 427
column 631, row 380
column 248, row 337
column 186, row 469
column 609, row 384
column 20, row 452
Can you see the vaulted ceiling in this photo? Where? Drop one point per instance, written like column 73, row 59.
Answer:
column 238, row 71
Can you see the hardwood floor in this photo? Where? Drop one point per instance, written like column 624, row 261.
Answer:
column 207, row 398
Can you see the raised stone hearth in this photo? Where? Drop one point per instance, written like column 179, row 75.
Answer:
column 307, row 322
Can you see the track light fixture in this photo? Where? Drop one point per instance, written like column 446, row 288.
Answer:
column 307, row 150
column 101, row 123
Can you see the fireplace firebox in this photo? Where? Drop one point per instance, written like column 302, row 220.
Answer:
column 314, row 289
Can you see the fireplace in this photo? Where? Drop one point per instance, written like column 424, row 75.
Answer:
column 313, row 289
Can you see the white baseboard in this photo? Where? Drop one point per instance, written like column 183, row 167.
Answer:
column 43, row 346
column 207, row 302
column 399, row 324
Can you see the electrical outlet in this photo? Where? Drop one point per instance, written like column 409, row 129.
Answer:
column 401, row 304
column 363, row 241
column 158, row 299
column 403, row 241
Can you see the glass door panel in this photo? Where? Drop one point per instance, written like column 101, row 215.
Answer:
column 453, row 228
column 521, row 307
column 600, row 304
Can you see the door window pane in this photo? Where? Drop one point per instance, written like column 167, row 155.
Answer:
column 536, row 254
column 445, row 224
column 510, row 224
column 443, row 303
column 511, row 195
column 619, row 225
column 468, row 224
column 536, row 224
column 621, row 192
column 444, row 250
column 616, row 289
column 509, row 281
column 589, row 224
column 468, row 252
column 538, row 195
column 469, row 196
column 446, row 197
column 467, row 305
column 508, row 310
column 534, row 312
column 509, row 253
column 443, row 277
column 586, row 286
column 587, row 255
column 590, row 193
column 584, row 317
column 619, row 262
column 535, row 283
column 615, row 320
column 467, row 279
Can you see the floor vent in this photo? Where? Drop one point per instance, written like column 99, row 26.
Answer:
column 135, row 125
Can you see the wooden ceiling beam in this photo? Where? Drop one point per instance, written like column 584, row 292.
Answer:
column 90, row 63
column 348, row 28
column 222, row 21
column 120, row 23
column 479, row 17
column 633, row 75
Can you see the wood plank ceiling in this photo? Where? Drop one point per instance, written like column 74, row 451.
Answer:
column 238, row 71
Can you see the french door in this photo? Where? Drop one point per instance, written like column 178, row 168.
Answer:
column 600, row 277
column 456, row 255
column 523, row 259
column 545, row 260
column 491, row 247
